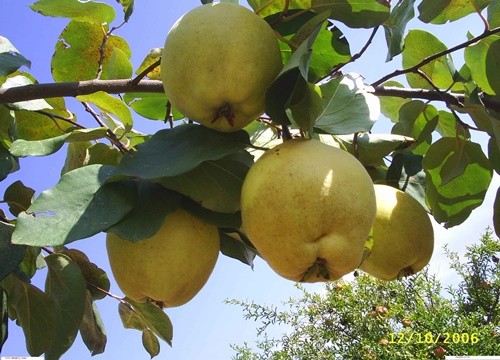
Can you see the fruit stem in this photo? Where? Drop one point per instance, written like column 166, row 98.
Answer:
column 226, row 112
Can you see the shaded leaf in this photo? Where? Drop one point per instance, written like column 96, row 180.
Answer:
column 130, row 318
column 155, row 319
column 395, row 27
column 35, row 313
column 232, row 245
column 483, row 59
column 19, row 197
column 219, row 219
column 442, row 11
column 150, row 343
column 78, row 206
column 153, row 203
column 30, row 105
column 448, row 126
column 128, row 8
column 355, row 13
column 92, row 328
column 10, row 58
column 4, row 319
column 173, row 152
column 452, row 201
column 10, row 255
column 496, row 213
column 65, row 285
column 214, row 184
column 94, row 276
column 348, row 107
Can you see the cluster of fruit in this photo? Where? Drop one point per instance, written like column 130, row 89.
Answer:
column 307, row 207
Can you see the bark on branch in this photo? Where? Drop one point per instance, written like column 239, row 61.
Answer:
column 73, row 89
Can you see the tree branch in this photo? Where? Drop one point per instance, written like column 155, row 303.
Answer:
column 73, row 89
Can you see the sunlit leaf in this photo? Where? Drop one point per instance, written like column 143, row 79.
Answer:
column 150, row 343
column 440, row 71
column 78, row 206
column 151, row 58
column 265, row 7
column 483, row 59
column 88, row 11
column 65, row 285
column 355, row 13
column 111, row 105
column 31, row 105
column 347, row 106
column 442, row 11
column 128, row 8
column 452, row 198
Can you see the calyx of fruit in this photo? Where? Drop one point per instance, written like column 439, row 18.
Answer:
column 171, row 266
column 402, row 236
column 217, row 63
column 308, row 207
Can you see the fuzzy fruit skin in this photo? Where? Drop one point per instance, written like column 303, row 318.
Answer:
column 220, row 56
column 304, row 201
column 170, row 267
column 403, row 238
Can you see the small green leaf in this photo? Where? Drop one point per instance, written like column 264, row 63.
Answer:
column 10, row 255
column 395, row 27
column 78, row 206
column 440, row 71
column 152, row 106
column 35, row 313
column 496, row 213
column 355, row 13
column 88, row 11
column 150, row 343
column 151, row 58
column 10, row 61
column 130, row 318
column 110, row 105
column 173, row 152
column 19, row 197
column 94, row 276
column 155, row 319
column 232, row 245
column 452, row 201
column 65, row 285
column 442, row 11
column 128, row 8
column 348, row 107
column 92, row 328
column 265, row 7
column 154, row 202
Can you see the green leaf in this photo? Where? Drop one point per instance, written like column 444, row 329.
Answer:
column 155, row 319
column 4, row 319
column 76, row 155
column 265, row 7
column 494, row 154
column 10, row 255
column 23, row 148
column 417, row 120
column 78, row 54
column 92, row 328
column 150, row 343
column 8, row 163
column 111, row 105
column 453, row 198
column 154, row 202
column 94, row 276
column 390, row 105
column 10, row 58
column 440, row 71
column 30, row 105
column 128, row 8
column 214, row 184
column 78, row 206
column 65, row 285
column 370, row 149
column 305, row 104
column 347, row 106
column 395, row 27
column 232, row 245
column 222, row 220
column 130, row 318
column 442, row 11
column 448, row 126
column 483, row 60
column 88, row 11
column 19, row 197
column 152, row 106
column 355, row 13
column 35, row 313
column 151, row 58
column 494, row 14
column 173, row 152
column 30, row 125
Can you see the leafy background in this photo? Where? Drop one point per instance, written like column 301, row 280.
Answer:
column 34, row 35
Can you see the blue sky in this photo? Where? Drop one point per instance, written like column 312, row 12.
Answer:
column 203, row 328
